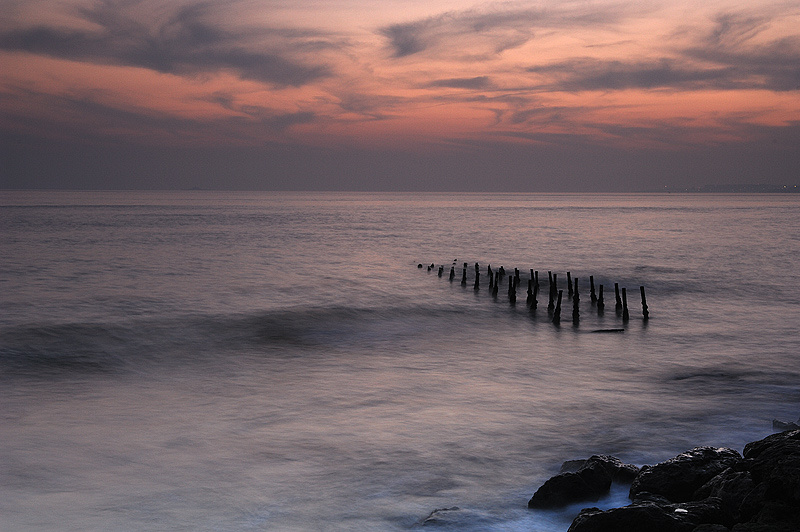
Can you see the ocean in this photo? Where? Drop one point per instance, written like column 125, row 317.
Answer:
column 236, row 361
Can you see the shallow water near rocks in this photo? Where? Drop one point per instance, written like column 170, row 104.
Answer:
column 276, row 361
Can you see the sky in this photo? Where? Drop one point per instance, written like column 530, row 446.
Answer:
column 405, row 95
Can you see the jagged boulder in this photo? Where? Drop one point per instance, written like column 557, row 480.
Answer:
column 649, row 516
column 677, row 479
column 586, row 480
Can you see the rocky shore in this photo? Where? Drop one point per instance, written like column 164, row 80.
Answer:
column 705, row 489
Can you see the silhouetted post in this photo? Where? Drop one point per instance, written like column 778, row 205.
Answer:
column 557, row 311
column 516, row 277
column 600, row 303
column 592, row 295
column 441, row 270
column 645, row 312
column 569, row 285
column 536, row 279
column 551, row 303
column 576, row 313
column 464, row 275
column 496, row 284
column 625, row 315
column 430, row 267
column 491, row 278
column 489, row 269
column 616, row 293
column 419, row 265
column 477, row 280
column 531, row 274
column 530, row 291
column 534, row 302
column 512, row 294
column 452, row 272
column 502, row 272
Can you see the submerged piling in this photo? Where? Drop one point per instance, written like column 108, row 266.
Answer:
column 600, row 302
column 477, row 285
column 576, row 313
column 452, row 272
column 616, row 294
column 645, row 312
column 569, row 285
column 591, row 288
column 625, row 315
column 441, row 270
column 557, row 311
column 464, row 275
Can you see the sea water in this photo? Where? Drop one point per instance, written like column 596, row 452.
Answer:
column 219, row 361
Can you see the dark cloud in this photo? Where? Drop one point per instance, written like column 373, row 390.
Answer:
column 184, row 43
column 479, row 82
column 499, row 30
column 593, row 74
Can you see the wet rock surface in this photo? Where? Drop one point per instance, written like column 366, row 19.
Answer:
column 705, row 489
column 582, row 480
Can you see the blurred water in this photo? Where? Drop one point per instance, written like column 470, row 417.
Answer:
column 277, row 361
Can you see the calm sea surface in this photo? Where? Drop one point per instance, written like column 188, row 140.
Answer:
column 209, row 361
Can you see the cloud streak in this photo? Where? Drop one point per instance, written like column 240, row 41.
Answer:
column 185, row 43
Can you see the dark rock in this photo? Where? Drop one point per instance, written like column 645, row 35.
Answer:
column 651, row 517
column 711, row 528
column 586, row 480
column 677, row 479
column 732, row 487
column 775, row 467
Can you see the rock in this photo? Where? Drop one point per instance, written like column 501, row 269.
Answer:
column 784, row 425
column 579, row 481
column 732, row 487
column 651, row 517
column 677, row 479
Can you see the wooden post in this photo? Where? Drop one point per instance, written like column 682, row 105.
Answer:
column 512, row 294
column 452, row 272
column 551, row 303
column 464, row 276
column 516, row 277
column 591, row 284
column 496, row 285
column 530, row 292
column 645, row 312
column 491, row 278
column 625, row 315
column 616, row 294
column 557, row 311
column 441, row 270
column 600, row 303
column 477, row 285
column 534, row 302
column 536, row 278
column 569, row 285
column 576, row 298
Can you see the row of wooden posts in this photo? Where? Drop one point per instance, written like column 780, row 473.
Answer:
column 555, row 295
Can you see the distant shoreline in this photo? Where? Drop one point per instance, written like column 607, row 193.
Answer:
column 729, row 189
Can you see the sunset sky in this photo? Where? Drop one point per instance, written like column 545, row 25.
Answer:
column 399, row 95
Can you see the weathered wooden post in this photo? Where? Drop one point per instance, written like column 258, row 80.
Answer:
column 645, row 312
column 516, row 277
column 536, row 279
column 591, row 285
column 491, row 278
column 600, row 302
column 569, row 285
column 512, row 294
column 496, row 285
column 441, row 270
column 534, row 302
column 464, row 276
column 557, row 311
column 616, row 293
column 625, row 315
column 452, row 272
column 477, row 285
column 576, row 298
column 530, row 292
column 502, row 272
